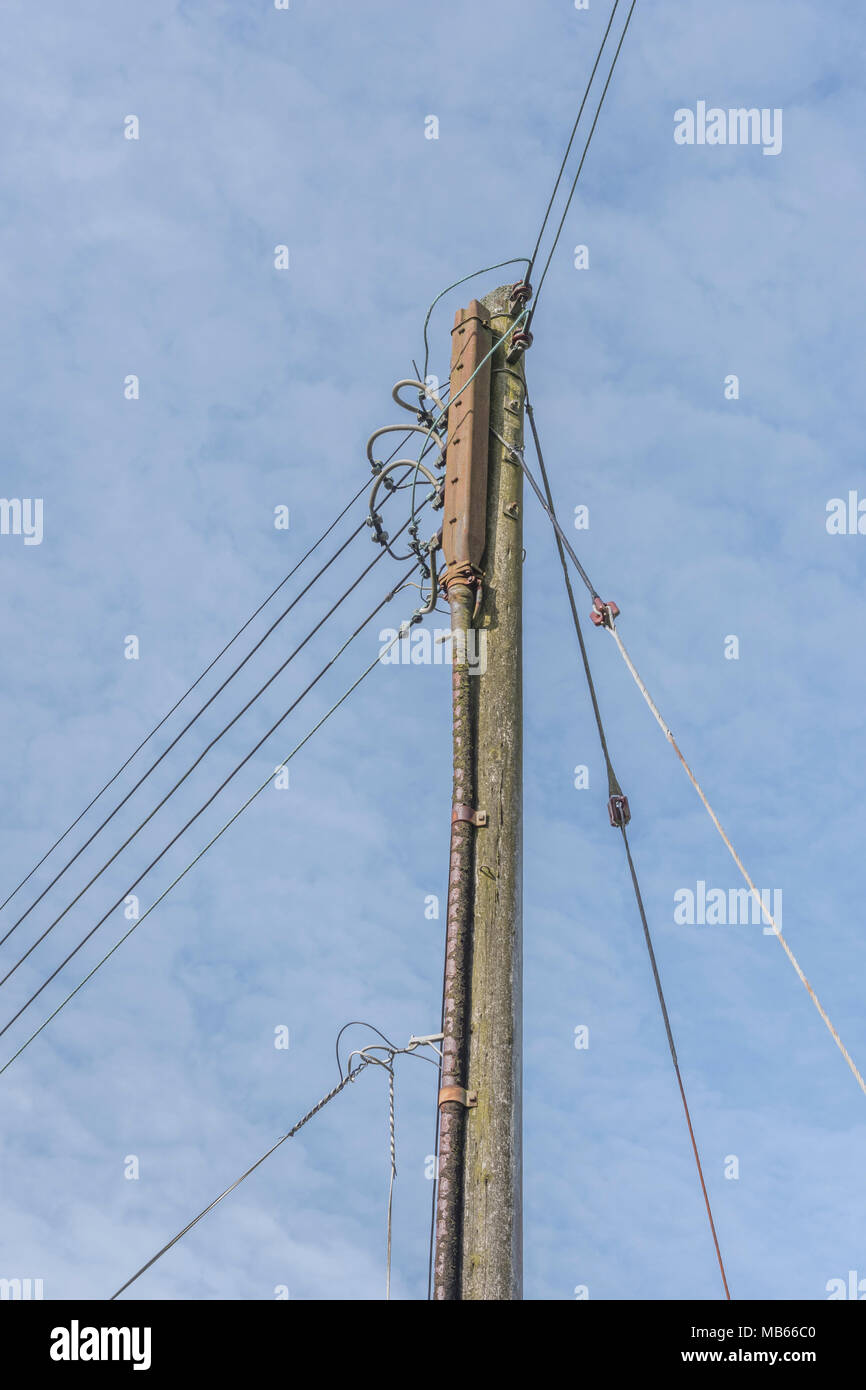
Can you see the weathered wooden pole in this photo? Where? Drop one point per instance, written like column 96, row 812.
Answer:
column 492, row 1228
column 479, row 1206
column 463, row 539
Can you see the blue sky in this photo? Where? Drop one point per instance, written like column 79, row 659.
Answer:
column 260, row 388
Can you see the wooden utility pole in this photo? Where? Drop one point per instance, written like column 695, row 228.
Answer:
column 492, row 1259
column 479, row 1211
column 463, row 541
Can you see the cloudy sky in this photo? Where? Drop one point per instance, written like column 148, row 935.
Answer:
column 258, row 388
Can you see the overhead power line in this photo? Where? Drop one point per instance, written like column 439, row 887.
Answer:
column 515, row 260
column 365, row 1059
column 387, row 599
column 529, row 261
column 618, row 806
column 155, row 764
column 364, row 488
column 582, row 157
column 673, row 1051
column 183, row 697
column 113, row 908
column 180, row 781
column 290, row 1134
column 607, row 614
column 552, row 197
column 777, row 931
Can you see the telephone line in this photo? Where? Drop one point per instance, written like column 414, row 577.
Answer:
column 365, row 1059
column 673, row 1051
column 620, row 814
column 190, row 724
column 185, row 827
column 758, row 899
column 532, row 258
column 164, row 754
column 515, row 260
column 239, row 812
column 364, row 488
column 582, row 158
column 179, row 783
column 332, row 1094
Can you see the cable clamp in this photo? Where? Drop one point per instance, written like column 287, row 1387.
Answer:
column 619, row 812
column 458, row 1094
column 514, row 453
column 468, row 813
column 460, row 573
column 520, row 341
column 375, row 522
column 467, row 574
column 603, row 614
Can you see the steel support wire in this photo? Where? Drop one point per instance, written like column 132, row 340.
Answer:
column 365, row 1059
column 290, row 1134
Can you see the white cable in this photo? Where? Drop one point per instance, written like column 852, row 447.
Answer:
column 777, row 932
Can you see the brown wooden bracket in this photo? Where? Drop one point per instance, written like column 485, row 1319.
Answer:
column 468, row 813
column 464, row 524
column 461, row 1096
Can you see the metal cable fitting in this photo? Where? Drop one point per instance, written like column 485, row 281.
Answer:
column 603, row 614
column 619, row 812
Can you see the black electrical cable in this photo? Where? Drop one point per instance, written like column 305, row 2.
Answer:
column 615, row 790
column 190, row 723
column 560, row 534
column 515, row 260
column 382, row 603
column 215, row 740
column 571, row 139
column 673, row 1052
column 173, row 744
column 364, row 488
column 580, row 165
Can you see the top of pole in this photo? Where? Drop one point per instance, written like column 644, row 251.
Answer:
column 499, row 301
